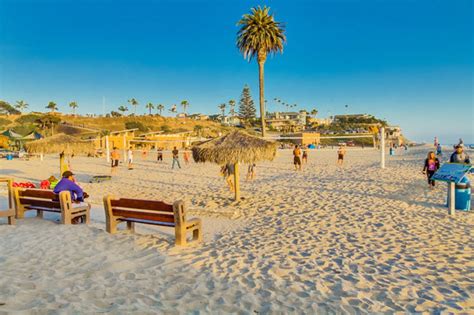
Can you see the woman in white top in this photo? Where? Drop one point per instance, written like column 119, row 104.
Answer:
column 130, row 158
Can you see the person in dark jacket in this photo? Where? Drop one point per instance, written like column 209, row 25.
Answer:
column 431, row 166
column 459, row 156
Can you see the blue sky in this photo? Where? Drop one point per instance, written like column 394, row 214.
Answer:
column 408, row 61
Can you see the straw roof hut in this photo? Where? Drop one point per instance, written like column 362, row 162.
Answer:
column 235, row 147
column 61, row 144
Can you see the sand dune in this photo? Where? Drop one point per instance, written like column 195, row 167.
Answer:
column 325, row 240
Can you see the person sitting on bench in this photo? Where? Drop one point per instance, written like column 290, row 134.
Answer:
column 69, row 183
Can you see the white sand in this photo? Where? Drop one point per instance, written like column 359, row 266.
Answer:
column 358, row 239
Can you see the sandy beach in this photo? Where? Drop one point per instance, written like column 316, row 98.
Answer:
column 324, row 240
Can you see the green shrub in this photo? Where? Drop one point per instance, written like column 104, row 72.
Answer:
column 135, row 125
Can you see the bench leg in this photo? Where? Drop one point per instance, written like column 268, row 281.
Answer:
column 20, row 213
column 111, row 225
column 66, row 217
column 11, row 220
column 131, row 227
column 197, row 234
column 180, row 235
column 39, row 214
column 88, row 216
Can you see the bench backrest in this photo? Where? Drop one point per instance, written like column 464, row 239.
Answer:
column 37, row 198
column 146, row 209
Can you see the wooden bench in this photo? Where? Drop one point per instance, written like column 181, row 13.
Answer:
column 46, row 200
column 9, row 213
column 151, row 212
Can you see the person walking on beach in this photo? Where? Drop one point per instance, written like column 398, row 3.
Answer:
column 144, row 154
column 130, row 158
column 175, row 153
column 115, row 157
column 439, row 150
column 459, row 156
column 159, row 155
column 431, row 166
column 251, row 171
column 340, row 155
column 297, row 158
column 228, row 172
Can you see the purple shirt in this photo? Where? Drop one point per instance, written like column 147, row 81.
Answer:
column 66, row 184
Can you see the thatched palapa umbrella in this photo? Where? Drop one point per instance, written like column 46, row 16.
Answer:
column 60, row 144
column 236, row 147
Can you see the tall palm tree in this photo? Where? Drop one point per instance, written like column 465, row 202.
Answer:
column 21, row 105
column 150, row 106
column 123, row 109
column 222, row 108
column 73, row 105
column 260, row 35
column 52, row 106
column 232, row 106
column 160, row 108
column 134, row 103
column 185, row 105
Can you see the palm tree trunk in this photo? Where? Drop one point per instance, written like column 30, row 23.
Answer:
column 261, row 86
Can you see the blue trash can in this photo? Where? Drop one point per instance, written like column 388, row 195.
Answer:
column 462, row 195
column 9, row 157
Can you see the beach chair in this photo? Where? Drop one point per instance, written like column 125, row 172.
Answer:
column 134, row 211
column 42, row 200
column 8, row 213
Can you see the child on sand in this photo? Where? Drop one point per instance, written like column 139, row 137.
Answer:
column 431, row 166
column 297, row 158
column 186, row 156
column 305, row 155
column 159, row 155
column 340, row 155
column 130, row 158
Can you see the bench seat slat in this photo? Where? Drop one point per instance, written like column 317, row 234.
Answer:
column 142, row 204
column 150, row 216
column 40, row 203
column 147, row 222
column 37, row 193
column 43, row 209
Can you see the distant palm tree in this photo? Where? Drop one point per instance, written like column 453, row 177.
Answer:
column 173, row 108
column 150, row 106
column 134, row 103
column 314, row 112
column 232, row 106
column 185, row 105
column 52, row 106
column 73, row 105
column 258, row 36
column 160, row 108
column 123, row 109
column 222, row 108
column 21, row 105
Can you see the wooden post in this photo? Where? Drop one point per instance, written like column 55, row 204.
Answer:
column 382, row 147
column 452, row 201
column 41, row 157
column 62, row 164
column 236, row 181
column 107, row 149
column 124, row 148
column 374, row 142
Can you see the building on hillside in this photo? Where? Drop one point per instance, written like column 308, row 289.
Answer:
column 304, row 138
column 287, row 121
column 198, row 117
column 313, row 121
column 231, row 120
column 394, row 136
column 181, row 115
